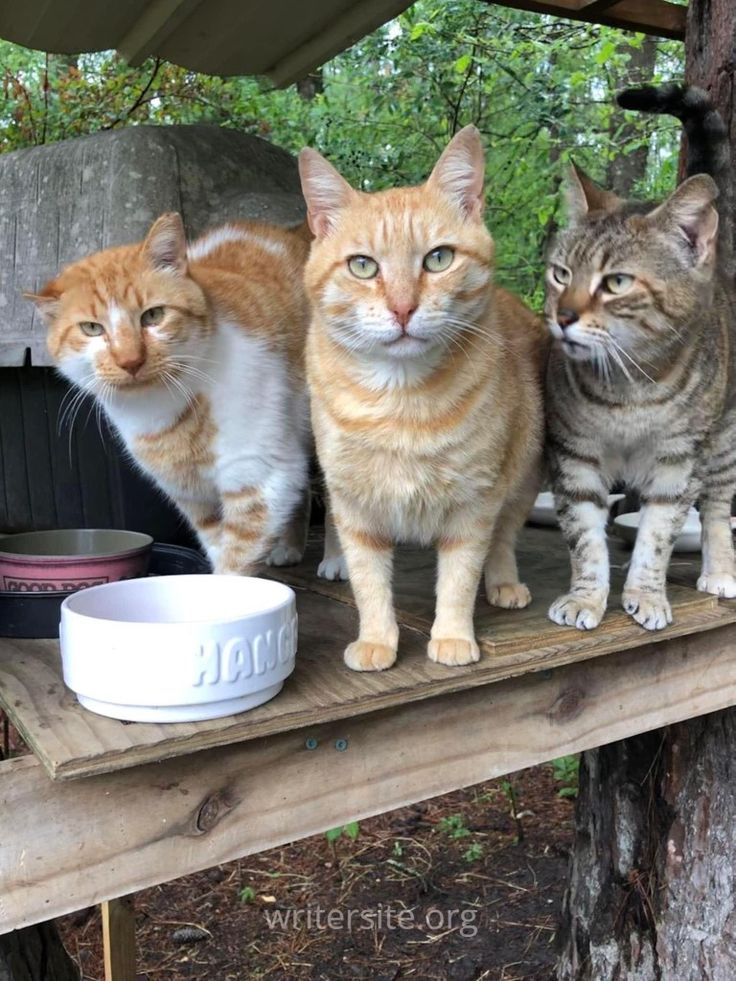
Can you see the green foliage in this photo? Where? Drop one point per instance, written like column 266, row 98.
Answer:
column 247, row 894
column 454, row 826
column 473, row 853
column 565, row 771
column 507, row 789
column 351, row 830
column 539, row 89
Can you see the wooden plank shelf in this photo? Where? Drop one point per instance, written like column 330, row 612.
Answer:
column 192, row 812
column 340, row 746
column 72, row 742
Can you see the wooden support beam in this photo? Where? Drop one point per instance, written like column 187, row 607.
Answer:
column 345, row 29
column 657, row 17
column 118, row 938
column 158, row 21
column 597, row 6
column 197, row 811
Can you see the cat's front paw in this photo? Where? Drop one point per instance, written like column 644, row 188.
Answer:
column 651, row 610
column 284, row 555
column 719, row 584
column 509, row 595
column 367, row 655
column 453, row 651
column 583, row 612
column 335, row 569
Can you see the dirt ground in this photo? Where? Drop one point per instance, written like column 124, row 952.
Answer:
column 455, row 889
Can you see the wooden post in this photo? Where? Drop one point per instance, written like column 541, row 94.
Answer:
column 652, row 892
column 118, row 937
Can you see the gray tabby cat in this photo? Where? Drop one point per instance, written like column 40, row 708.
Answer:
column 641, row 383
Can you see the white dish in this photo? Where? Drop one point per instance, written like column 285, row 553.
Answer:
column 178, row 648
column 545, row 513
column 627, row 525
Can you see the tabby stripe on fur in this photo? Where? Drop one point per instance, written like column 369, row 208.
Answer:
column 642, row 380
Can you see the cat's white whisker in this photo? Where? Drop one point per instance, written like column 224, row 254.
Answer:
column 635, row 363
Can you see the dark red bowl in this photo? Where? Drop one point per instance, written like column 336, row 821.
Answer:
column 70, row 559
column 36, row 614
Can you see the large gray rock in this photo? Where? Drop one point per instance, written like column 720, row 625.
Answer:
column 64, row 201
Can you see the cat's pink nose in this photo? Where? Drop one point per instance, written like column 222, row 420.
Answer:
column 132, row 363
column 566, row 318
column 402, row 314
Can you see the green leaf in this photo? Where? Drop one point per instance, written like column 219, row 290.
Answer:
column 605, row 53
column 352, row 830
column 462, row 64
column 454, row 826
column 473, row 852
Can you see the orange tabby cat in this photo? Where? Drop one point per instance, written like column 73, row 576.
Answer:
column 196, row 354
column 426, row 394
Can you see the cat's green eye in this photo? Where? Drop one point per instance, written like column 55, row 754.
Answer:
column 439, row 259
column 91, row 329
column 561, row 275
column 617, row 283
column 152, row 316
column 363, row 267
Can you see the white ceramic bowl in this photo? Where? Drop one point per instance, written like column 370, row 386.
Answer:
column 178, row 648
column 545, row 513
column 627, row 525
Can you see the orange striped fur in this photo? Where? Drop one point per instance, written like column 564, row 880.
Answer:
column 196, row 354
column 426, row 394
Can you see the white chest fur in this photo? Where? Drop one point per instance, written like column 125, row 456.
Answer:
column 257, row 414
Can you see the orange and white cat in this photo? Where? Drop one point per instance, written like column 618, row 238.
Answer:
column 426, row 396
column 197, row 356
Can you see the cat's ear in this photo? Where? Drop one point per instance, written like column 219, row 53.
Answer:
column 47, row 302
column 583, row 195
column 165, row 246
column 325, row 191
column 690, row 211
column 460, row 171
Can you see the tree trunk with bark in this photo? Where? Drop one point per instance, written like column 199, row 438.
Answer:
column 652, row 891
column 311, row 85
column 626, row 170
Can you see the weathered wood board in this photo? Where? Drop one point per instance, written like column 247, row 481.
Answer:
column 543, row 564
column 72, row 742
column 196, row 811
